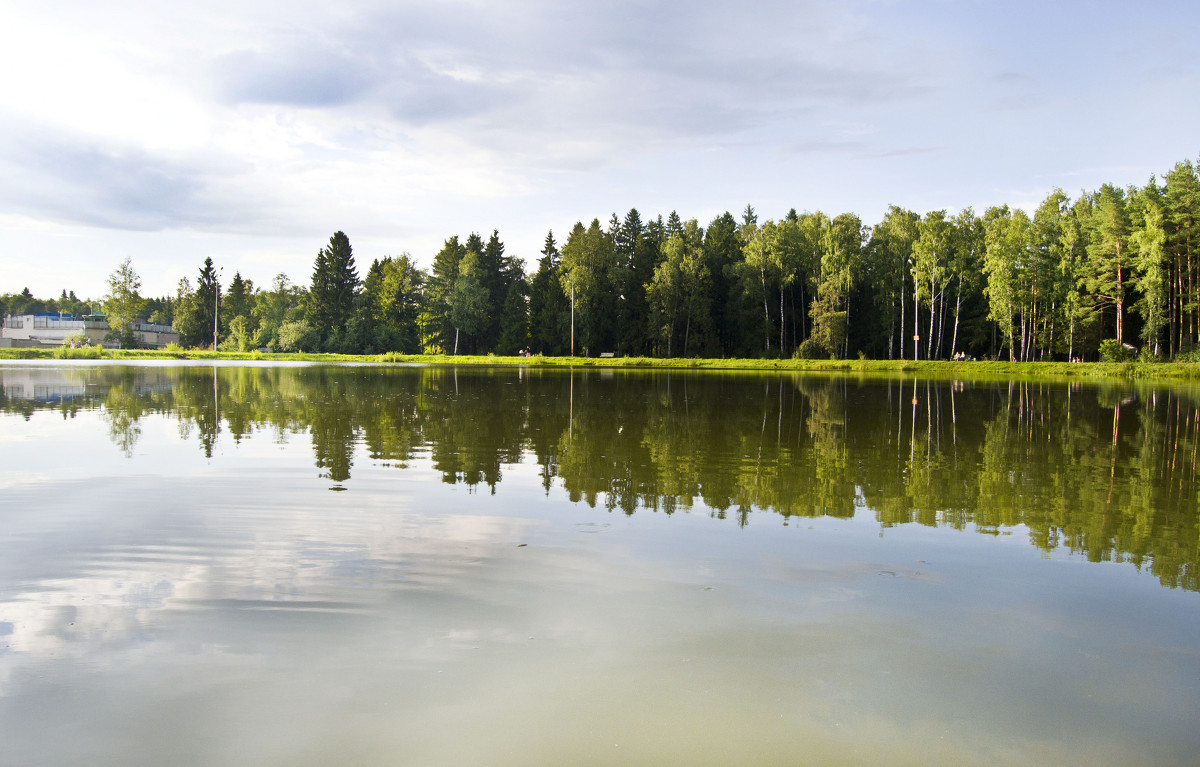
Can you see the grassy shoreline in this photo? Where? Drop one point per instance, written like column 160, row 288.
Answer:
column 976, row 369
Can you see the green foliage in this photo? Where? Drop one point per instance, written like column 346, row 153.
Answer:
column 437, row 327
column 1148, row 242
column 811, row 349
column 297, row 335
column 122, row 303
column 1115, row 263
column 82, row 351
column 334, row 288
column 1107, row 253
column 514, row 322
column 390, row 309
column 549, row 306
column 1112, row 350
column 195, row 309
column 678, row 294
column 469, row 300
column 588, row 267
column 243, row 337
column 76, row 341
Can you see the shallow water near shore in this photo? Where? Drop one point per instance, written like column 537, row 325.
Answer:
column 259, row 565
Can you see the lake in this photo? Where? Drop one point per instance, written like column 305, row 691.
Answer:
column 389, row 565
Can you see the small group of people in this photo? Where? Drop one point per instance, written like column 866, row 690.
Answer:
column 961, row 357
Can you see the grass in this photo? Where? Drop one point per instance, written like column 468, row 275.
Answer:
column 924, row 368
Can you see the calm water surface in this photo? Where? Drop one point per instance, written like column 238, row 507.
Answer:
column 303, row 565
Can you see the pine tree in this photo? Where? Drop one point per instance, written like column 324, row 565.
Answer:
column 240, row 297
column 198, row 328
column 548, row 306
column 514, row 320
column 437, row 326
column 1182, row 224
column 334, row 289
column 722, row 251
column 1108, row 258
column 1151, row 266
column 587, row 265
column 495, row 277
column 469, row 302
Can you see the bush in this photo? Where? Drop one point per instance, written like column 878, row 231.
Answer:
column 79, row 353
column 811, row 349
column 294, row 336
column 1112, row 350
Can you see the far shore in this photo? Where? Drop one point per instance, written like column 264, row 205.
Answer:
column 935, row 368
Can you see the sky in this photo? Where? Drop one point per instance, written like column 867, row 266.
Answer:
column 250, row 132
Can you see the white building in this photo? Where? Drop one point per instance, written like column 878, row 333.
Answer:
column 52, row 328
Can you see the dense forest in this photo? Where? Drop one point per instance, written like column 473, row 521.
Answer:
column 1109, row 274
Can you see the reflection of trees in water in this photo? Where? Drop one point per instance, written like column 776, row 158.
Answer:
column 123, row 410
column 1108, row 471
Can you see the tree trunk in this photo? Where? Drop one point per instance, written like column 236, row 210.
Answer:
column 957, row 310
column 1191, row 296
column 803, row 312
column 1053, row 320
column 846, row 330
column 1120, row 299
column 916, row 320
column 891, row 333
column 766, row 314
column 1071, row 340
column 782, row 324
column 942, row 326
column 1177, row 302
column 932, row 317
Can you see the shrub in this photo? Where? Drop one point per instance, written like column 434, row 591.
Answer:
column 811, row 349
column 79, row 353
column 294, row 336
column 1112, row 350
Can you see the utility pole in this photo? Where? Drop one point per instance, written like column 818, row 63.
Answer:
column 572, row 319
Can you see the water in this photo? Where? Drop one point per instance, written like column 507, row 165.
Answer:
column 302, row 565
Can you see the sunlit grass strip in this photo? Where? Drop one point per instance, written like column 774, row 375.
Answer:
column 939, row 368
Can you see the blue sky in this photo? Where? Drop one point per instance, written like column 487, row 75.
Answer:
column 250, row 132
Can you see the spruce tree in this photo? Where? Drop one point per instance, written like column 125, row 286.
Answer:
column 334, row 288
column 549, row 307
column 437, row 326
column 198, row 329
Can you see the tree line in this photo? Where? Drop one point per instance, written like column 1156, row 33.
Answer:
column 1089, row 277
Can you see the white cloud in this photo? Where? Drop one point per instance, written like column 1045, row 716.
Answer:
column 405, row 124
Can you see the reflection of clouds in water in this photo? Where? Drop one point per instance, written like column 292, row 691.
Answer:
column 11, row 480
column 126, row 592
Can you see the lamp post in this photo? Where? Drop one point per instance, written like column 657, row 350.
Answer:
column 572, row 317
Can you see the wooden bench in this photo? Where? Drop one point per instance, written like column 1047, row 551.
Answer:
column 607, row 354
